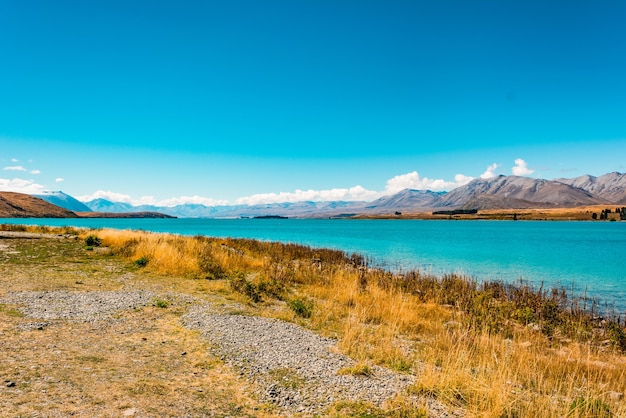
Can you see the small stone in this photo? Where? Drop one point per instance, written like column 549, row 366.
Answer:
column 184, row 353
column 10, row 384
column 616, row 396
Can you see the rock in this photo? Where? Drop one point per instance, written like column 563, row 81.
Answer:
column 129, row 412
column 10, row 384
column 616, row 396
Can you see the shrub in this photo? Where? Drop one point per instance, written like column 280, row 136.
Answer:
column 93, row 241
column 240, row 284
column 272, row 288
column 301, row 307
column 127, row 249
column 160, row 303
column 617, row 336
column 142, row 261
column 211, row 270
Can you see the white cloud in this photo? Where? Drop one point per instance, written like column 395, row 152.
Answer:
column 413, row 180
column 193, row 200
column 462, row 180
column 20, row 186
column 150, row 200
column 400, row 182
column 14, row 160
column 59, row 179
column 15, row 168
column 355, row 193
column 490, row 172
column 35, row 172
column 520, row 168
column 108, row 195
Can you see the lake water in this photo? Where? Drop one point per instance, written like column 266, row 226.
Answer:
column 582, row 256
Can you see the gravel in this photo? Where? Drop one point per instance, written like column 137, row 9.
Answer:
column 79, row 306
column 297, row 369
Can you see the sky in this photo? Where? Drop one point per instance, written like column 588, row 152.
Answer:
column 227, row 102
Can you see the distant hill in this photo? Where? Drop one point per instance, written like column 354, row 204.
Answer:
column 103, row 205
column 502, row 192
column 183, row 211
column 19, row 205
column 63, row 200
column 407, row 199
column 296, row 209
column 514, row 190
column 610, row 187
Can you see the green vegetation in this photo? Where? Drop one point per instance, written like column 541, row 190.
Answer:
column 160, row 303
column 142, row 261
column 302, row 307
column 93, row 241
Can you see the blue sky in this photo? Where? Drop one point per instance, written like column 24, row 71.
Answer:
column 259, row 101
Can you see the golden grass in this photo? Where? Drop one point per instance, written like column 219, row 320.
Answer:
column 467, row 348
column 524, row 373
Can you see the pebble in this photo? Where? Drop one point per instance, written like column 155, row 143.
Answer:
column 81, row 306
column 297, row 368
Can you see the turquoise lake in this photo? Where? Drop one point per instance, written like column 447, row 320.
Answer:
column 583, row 256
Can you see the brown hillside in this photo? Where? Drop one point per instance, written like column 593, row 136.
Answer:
column 19, row 205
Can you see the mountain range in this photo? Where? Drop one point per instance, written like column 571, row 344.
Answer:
column 501, row 192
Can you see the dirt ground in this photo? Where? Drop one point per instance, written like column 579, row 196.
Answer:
column 139, row 362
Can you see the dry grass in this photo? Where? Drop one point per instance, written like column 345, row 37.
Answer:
column 140, row 363
column 491, row 350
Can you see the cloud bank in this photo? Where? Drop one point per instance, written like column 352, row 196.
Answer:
column 150, row 200
column 355, row 193
column 411, row 180
column 21, row 186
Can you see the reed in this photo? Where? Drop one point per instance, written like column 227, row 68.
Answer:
column 492, row 349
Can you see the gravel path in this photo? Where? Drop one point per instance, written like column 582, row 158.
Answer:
column 297, row 368
column 81, row 306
